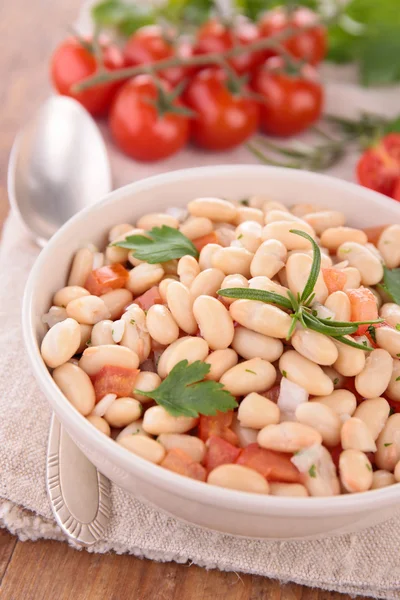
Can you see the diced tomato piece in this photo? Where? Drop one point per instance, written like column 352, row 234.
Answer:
column 218, row 425
column 394, row 405
column 114, row 380
column 103, row 280
column 272, row 393
column 274, row 466
column 349, row 384
column 363, row 307
column 210, row 238
column 152, row 296
column 335, row 280
column 178, row 461
column 374, row 233
column 335, row 453
column 220, row 452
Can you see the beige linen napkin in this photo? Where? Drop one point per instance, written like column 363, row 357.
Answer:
column 364, row 563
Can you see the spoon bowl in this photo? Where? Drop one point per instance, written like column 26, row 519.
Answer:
column 58, row 166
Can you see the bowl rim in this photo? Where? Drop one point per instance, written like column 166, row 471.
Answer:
column 256, row 504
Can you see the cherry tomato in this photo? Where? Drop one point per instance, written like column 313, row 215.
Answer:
column 142, row 125
column 379, row 166
column 396, row 192
column 215, row 36
column 72, row 62
column 224, row 119
column 149, row 45
column 310, row 45
column 292, row 102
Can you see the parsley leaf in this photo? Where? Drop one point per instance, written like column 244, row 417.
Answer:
column 388, row 444
column 184, row 393
column 250, row 371
column 372, row 332
column 397, row 378
column 397, row 326
column 125, row 17
column 159, row 245
column 391, row 283
column 336, row 381
column 312, row 471
column 368, row 466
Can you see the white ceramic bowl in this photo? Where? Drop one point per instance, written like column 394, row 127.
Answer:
column 216, row 508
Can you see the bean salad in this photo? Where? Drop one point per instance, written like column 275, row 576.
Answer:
column 241, row 344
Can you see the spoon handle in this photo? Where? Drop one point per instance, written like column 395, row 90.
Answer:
column 78, row 493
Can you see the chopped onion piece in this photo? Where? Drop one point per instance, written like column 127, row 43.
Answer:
column 132, row 429
column 246, row 435
column 290, row 396
column 148, row 365
column 322, row 311
column 178, row 213
column 363, row 340
column 55, row 315
column 103, row 405
column 98, row 260
column 118, row 330
column 305, row 459
column 344, row 417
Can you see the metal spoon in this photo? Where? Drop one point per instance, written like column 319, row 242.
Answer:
column 59, row 165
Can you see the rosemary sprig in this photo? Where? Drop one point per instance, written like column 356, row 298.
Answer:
column 300, row 307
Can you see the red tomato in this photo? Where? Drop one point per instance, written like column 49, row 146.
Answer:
column 218, row 425
column 178, row 461
column 374, row 233
column 217, row 37
column 363, row 307
column 72, row 62
column 142, row 126
column 396, row 191
column 224, row 119
column 152, row 296
column 274, row 466
column 291, row 102
column 114, row 380
column 149, row 45
column 219, row 452
column 105, row 279
column 310, row 45
column 379, row 167
column 210, row 238
column 335, row 280
column 335, row 453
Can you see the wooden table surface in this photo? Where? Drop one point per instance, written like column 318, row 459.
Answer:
column 47, row 570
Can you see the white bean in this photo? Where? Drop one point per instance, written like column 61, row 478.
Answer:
column 298, row 267
column 374, row 412
column 144, row 447
column 322, row 418
column 255, row 375
column 157, row 420
column 342, row 402
column 86, row 333
column 302, row 209
column 161, row 325
column 391, row 313
column 305, row 373
column 355, row 471
column 326, row 261
column 82, row 265
column 207, row 282
column 325, row 219
column 353, row 278
column 389, row 246
column 382, row 479
column 260, row 317
column 337, row 379
column 119, row 230
column 143, row 277
column 339, row 303
column 373, row 380
column 100, row 424
column 388, row 339
column 249, row 235
column 88, row 310
column 238, row 477
column 388, row 444
column 233, row 281
column 393, row 389
column 232, row 260
column 195, row 227
column 280, row 230
column 351, row 361
column 287, row 489
column 116, row 301
column 146, row 381
column 68, row 293
column 360, row 257
column 322, row 480
column 334, row 237
column 136, row 337
column 163, row 285
column 151, row 220
column 214, row 321
column 247, row 213
column 268, row 205
column 180, row 303
column 281, row 215
column 123, row 411
column 206, row 255
column 315, row 346
column 213, row 208
column 355, row 435
column 188, row 269
column 256, row 411
column 186, row 348
column 220, row 361
column 94, row 359
column 288, row 437
column 269, row 259
column 263, row 283
column 250, row 344
column 397, row 472
column 75, row 384
column 61, row 343
column 191, row 445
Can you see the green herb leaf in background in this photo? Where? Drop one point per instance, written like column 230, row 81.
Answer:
column 184, row 393
column 159, row 245
column 125, row 17
column 391, row 283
